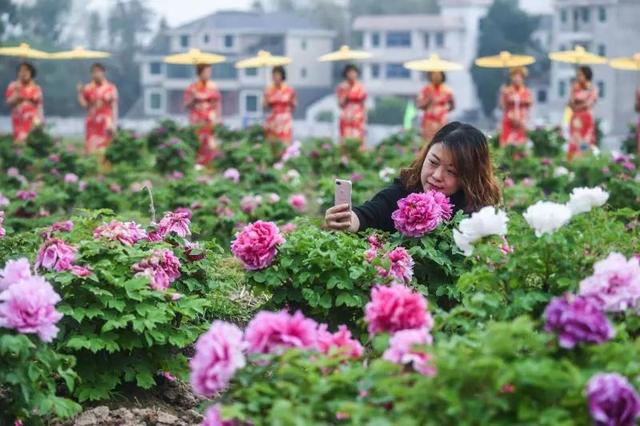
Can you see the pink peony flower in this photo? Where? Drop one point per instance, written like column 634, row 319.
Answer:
column 298, row 202
column 29, row 308
column 421, row 213
column 219, row 353
column 232, row 174
column 66, row 226
column 162, row 268
column 341, row 341
column 80, row 271
column 249, row 203
column 292, row 151
column 615, row 284
column 82, row 185
column 374, row 246
column 505, row 248
column 288, row 228
column 71, row 178
column 170, row 377
column 4, row 201
column 396, row 308
column 176, row 222
column 26, row 195
column 401, row 268
column 402, row 350
column 273, row 332
column 13, row 172
column 115, row 188
column 273, row 198
column 14, row 271
column 256, row 244
column 509, row 183
column 3, row 232
column 176, row 296
column 127, row 233
column 55, row 255
column 212, row 417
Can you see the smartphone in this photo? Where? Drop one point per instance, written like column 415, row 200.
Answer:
column 343, row 192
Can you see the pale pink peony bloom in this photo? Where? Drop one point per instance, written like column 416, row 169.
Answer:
column 232, row 174
column 509, row 183
column 162, row 268
column 292, row 151
column 3, row 231
column 401, row 268
column 256, row 244
column 55, row 255
column 288, row 228
column 82, row 185
column 421, row 213
column 176, row 222
column 249, row 203
column 4, row 201
column 374, row 246
column 404, row 348
column 505, row 248
column 127, row 233
column 80, row 271
column 298, row 202
column 396, row 308
column 26, row 195
column 615, row 284
column 273, row 198
column 71, row 178
column 274, row 332
column 212, row 417
column 29, row 308
column 219, row 353
column 13, row 172
column 14, row 272
column 170, row 377
column 66, row 226
column 340, row 341
column 176, row 296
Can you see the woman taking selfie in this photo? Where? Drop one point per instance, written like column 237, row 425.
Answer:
column 456, row 163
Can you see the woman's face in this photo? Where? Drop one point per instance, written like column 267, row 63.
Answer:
column 24, row 74
column 517, row 79
column 438, row 171
column 580, row 77
column 436, row 77
column 277, row 77
column 205, row 74
column 97, row 74
column 352, row 75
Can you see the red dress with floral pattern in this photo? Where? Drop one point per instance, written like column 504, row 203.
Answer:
column 204, row 103
column 102, row 106
column 279, row 123
column 516, row 103
column 439, row 100
column 28, row 111
column 353, row 114
column 582, row 127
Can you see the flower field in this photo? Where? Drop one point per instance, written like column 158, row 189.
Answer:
column 116, row 279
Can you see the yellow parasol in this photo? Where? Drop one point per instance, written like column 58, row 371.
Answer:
column 263, row 59
column 505, row 60
column 79, row 53
column 194, row 57
column 432, row 63
column 631, row 63
column 24, row 51
column 577, row 56
column 345, row 54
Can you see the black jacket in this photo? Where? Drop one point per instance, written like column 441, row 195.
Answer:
column 376, row 213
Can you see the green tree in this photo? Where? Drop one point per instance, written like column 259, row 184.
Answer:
column 43, row 20
column 377, row 7
column 7, row 16
column 94, row 30
column 506, row 27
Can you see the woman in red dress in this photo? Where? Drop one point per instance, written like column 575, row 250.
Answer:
column 100, row 99
column 436, row 100
column 351, row 98
column 582, row 127
column 515, row 101
column 280, row 99
column 203, row 101
column 24, row 97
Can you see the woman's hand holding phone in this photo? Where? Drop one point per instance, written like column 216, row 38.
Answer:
column 340, row 217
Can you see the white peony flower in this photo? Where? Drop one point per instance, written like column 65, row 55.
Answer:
column 560, row 171
column 547, row 217
column 487, row 221
column 583, row 200
column 386, row 174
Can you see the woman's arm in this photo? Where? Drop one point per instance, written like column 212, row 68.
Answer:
column 82, row 100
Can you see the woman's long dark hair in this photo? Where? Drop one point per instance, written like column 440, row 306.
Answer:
column 470, row 152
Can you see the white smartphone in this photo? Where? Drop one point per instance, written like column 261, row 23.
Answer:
column 343, row 192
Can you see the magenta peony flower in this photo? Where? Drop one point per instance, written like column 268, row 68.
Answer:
column 249, row 203
column 298, row 202
column 14, row 271
column 212, row 417
column 374, row 246
column 273, row 332
column 612, row 400
column 80, row 271
column 396, row 308
column 421, row 213
column 26, row 195
column 3, row 231
column 401, row 268
column 29, row 308
column 232, row 174
column 176, row 222
column 71, row 178
column 615, row 284
column 256, row 244
column 577, row 319
column 162, row 268
column 292, row 151
column 219, row 353
column 55, row 255
column 340, row 341
column 127, row 233
column 66, row 226
column 402, row 350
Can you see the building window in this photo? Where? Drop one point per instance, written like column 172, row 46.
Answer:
column 541, row 96
column 602, row 14
column 375, row 71
column 586, row 14
column 179, row 71
column 398, row 39
column 155, row 101
column 440, row 39
column 155, row 68
column 601, row 89
column 224, row 71
column 375, row 39
column 427, row 40
column 563, row 15
column 251, row 103
column 184, row 40
column 397, row 71
column 303, row 72
column 250, row 72
column 228, row 41
column 602, row 50
column 562, row 89
column 205, row 39
column 303, row 44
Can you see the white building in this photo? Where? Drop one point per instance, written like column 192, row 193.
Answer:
column 395, row 39
column 236, row 35
column 607, row 27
